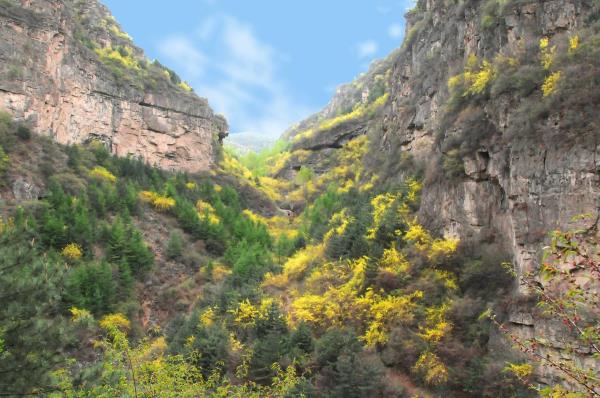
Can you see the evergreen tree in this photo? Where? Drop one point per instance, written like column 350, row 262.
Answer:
column 32, row 332
column 175, row 246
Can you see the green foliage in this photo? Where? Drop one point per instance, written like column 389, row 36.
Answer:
column 126, row 247
column 32, row 332
column 92, row 287
column 23, row 132
column 452, row 164
column 260, row 163
column 175, row 246
column 343, row 372
column 4, row 164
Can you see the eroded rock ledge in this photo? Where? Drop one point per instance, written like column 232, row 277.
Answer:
column 51, row 80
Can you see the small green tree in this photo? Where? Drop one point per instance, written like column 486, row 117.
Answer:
column 175, row 246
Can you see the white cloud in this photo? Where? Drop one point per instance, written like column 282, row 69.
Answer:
column 240, row 78
column 367, row 48
column 395, row 31
column 190, row 59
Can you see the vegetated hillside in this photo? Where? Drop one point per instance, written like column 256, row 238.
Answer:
column 494, row 106
column 68, row 69
column 389, row 279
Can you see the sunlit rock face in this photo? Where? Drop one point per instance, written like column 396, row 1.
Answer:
column 62, row 88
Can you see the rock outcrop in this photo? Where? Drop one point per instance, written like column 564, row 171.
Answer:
column 68, row 70
column 525, row 163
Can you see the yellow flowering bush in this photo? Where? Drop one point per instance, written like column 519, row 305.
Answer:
column 550, row 84
column 205, row 209
column 163, row 203
column 184, row 86
column 160, row 203
column 115, row 321
column 122, row 56
column 72, row 252
column 474, row 80
column 431, row 368
column 101, row 173
column 207, row 317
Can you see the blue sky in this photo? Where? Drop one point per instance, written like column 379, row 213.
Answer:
column 264, row 64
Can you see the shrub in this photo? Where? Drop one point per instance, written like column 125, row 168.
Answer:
column 92, row 287
column 160, row 203
column 101, row 173
column 72, row 252
column 452, row 164
column 175, row 246
column 23, row 132
column 550, row 84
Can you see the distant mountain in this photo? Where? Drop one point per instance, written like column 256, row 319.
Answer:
column 249, row 142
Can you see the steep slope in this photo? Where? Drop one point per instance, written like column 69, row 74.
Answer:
column 68, row 70
column 495, row 104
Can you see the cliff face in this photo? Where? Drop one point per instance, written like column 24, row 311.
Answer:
column 68, row 70
column 506, row 161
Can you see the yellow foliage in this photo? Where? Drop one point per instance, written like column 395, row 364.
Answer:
column 479, row 81
column 231, row 165
column 442, row 248
column 473, row 80
column 573, row 43
column 358, row 112
column 385, row 312
column 72, row 252
column 394, row 261
column 436, row 333
column 381, row 204
column 220, row 272
column 218, row 188
column 436, row 325
column 103, row 174
column 339, row 222
column 299, row 263
column 191, row 185
column 114, row 29
column 417, row 235
column 522, row 371
column 246, row 314
column 163, row 203
column 207, row 317
column 147, row 196
column 111, row 55
column 414, row 189
column 546, row 53
column 274, row 187
column 115, row 321
column 432, row 369
column 184, row 86
column 80, row 315
column 6, row 225
column 280, row 162
column 205, row 209
column 551, row 83
column 235, row 344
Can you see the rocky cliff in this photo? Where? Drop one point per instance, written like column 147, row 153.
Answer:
column 495, row 104
column 70, row 72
